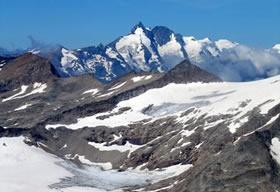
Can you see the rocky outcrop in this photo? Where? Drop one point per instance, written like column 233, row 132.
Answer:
column 24, row 70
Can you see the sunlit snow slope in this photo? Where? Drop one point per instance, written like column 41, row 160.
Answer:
column 210, row 99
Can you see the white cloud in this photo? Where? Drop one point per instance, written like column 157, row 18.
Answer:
column 242, row 63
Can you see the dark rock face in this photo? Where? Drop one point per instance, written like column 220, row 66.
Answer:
column 162, row 34
column 185, row 72
column 29, row 69
column 5, row 60
column 24, row 70
column 246, row 166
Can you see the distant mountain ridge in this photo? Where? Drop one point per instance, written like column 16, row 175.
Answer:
column 158, row 50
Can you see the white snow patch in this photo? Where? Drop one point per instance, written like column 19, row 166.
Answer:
column 122, row 148
column 185, row 144
column 210, row 125
column 22, row 107
column 236, row 141
column 175, row 170
column 148, row 77
column 37, row 88
column 112, row 54
column 234, row 125
column 68, row 57
column 140, row 167
column 187, row 133
column 34, row 51
column 69, row 156
column 116, row 138
column 275, row 149
column 92, row 91
column 107, row 94
column 139, row 78
column 113, row 121
column 199, row 145
column 267, row 123
column 218, row 153
column 179, row 147
column 104, row 166
column 117, row 86
column 171, row 48
column 22, row 91
column 63, row 147
column 271, row 120
column 181, row 139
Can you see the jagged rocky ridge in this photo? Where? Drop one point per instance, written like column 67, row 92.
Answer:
column 183, row 130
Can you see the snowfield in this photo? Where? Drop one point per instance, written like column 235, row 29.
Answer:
column 27, row 168
column 206, row 98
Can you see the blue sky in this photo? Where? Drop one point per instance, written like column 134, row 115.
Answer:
column 80, row 23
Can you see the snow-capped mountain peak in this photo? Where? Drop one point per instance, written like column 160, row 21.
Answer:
column 159, row 49
column 138, row 25
column 137, row 49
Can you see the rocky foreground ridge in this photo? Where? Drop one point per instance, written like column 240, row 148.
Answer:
column 181, row 130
